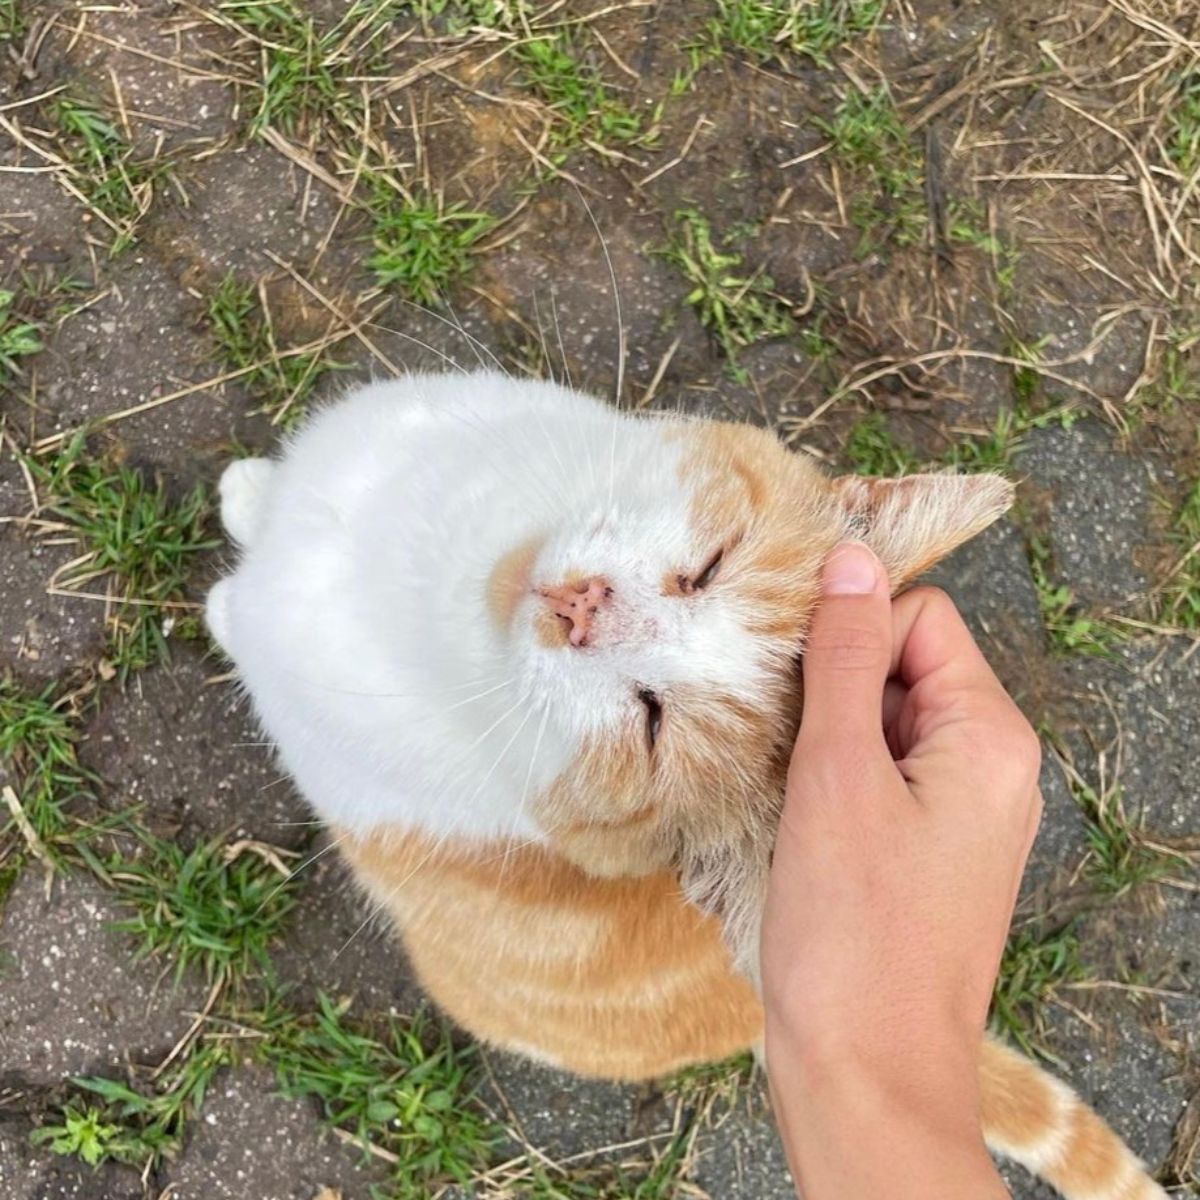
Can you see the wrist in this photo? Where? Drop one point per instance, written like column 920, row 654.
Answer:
column 905, row 1127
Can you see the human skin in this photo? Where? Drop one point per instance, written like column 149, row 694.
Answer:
column 912, row 805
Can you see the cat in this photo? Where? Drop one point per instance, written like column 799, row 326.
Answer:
column 536, row 663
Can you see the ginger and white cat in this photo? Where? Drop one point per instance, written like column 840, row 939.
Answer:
column 536, row 664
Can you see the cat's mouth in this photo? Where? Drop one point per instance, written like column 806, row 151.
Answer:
column 509, row 582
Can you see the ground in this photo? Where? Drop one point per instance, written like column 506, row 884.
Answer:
column 902, row 233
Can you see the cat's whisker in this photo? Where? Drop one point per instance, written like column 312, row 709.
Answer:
column 380, row 906
column 408, row 337
column 333, row 845
column 621, row 348
column 478, row 696
column 479, row 347
column 520, row 812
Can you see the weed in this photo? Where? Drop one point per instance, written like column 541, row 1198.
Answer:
column 658, row 1179
column 422, row 245
column 1183, row 137
column 130, row 1126
column 1069, row 630
column 18, row 339
column 992, row 452
column 737, row 309
column 136, row 541
column 701, row 1086
column 869, row 136
column 12, row 21
column 872, row 449
column 769, row 29
column 1026, row 378
column 407, row 1091
column 964, row 226
column 1034, row 965
column 1119, row 857
column 38, row 739
column 217, row 908
column 278, row 379
column 118, row 186
column 588, row 110
column 303, row 71
column 1181, row 595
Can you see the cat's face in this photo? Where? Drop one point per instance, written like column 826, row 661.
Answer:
column 659, row 624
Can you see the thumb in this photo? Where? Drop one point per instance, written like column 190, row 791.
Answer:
column 848, row 654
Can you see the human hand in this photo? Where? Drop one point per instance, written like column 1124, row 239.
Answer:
column 912, row 804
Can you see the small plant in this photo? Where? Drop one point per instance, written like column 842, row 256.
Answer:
column 770, row 29
column 423, row 246
column 104, row 169
column 1034, row 965
column 702, row 1086
column 737, row 309
column 12, row 21
column 588, row 110
column 406, row 1090
column 18, row 339
column 1069, row 630
column 303, row 71
column 280, row 379
column 1181, row 593
column 872, row 449
column 137, row 543
column 869, row 136
column 133, row 1127
column 992, row 452
column 217, row 908
column 1183, row 125
column 965, row 227
column 38, row 739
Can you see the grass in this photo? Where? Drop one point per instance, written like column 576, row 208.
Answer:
column 12, row 21
column 1183, row 126
column 738, row 309
column 278, row 379
column 423, row 246
column 109, row 1121
column 776, row 30
column 136, row 545
column 869, row 136
column 39, row 740
column 873, row 450
column 556, row 69
column 107, row 173
column 404, row 1090
column 1119, row 856
column 1068, row 629
column 1034, row 965
column 304, row 72
column 217, row 908
column 772, row 29
column 18, row 339
column 1181, row 592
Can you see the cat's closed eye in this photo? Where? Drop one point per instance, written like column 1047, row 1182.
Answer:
column 707, row 574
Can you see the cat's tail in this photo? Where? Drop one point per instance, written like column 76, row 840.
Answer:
column 1033, row 1119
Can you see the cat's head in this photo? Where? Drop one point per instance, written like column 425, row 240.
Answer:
column 661, row 621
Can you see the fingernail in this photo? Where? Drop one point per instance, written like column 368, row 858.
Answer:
column 851, row 570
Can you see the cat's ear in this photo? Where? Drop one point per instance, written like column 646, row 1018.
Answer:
column 914, row 521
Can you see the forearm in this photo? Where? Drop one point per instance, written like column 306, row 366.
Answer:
column 852, row 1132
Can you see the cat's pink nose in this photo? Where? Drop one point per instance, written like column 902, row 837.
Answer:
column 576, row 604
